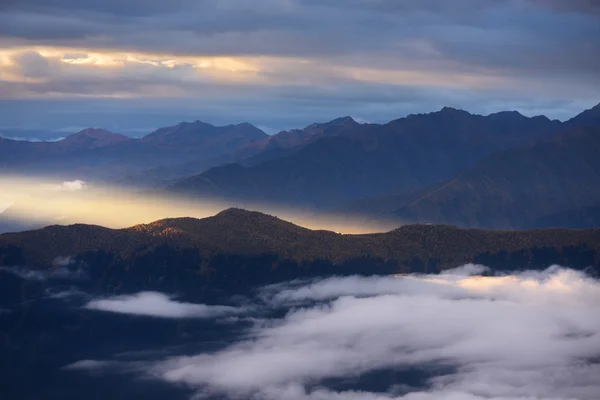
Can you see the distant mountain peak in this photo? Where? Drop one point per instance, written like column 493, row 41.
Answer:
column 513, row 113
column 344, row 120
column 452, row 110
column 590, row 117
column 542, row 117
column 347, row 120
column 94, row 138
column 239, row 213
column 196, row 123
column 202, row 135
column 94, row 132
column 508, row 116
column 245, row 125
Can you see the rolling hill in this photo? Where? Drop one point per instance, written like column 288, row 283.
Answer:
column 238, row 247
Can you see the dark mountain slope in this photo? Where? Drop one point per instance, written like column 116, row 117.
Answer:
column 515, row 188
column 375, row 160
column 322, row 173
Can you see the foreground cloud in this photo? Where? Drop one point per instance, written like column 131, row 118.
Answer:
column 535, row 335
column 156, row 304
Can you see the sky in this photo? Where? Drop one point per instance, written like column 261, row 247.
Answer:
column 132, row 66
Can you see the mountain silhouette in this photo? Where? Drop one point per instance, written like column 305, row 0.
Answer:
column 374, row 160
column 99, row 153
column 517, row 187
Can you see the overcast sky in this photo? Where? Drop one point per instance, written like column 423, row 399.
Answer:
column 134, row 65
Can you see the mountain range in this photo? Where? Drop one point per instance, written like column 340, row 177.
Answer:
column 500, row 171
column 98, row 153
column 371, row 160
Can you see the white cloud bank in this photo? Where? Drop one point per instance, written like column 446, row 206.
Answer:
column 154, row 304
column 530, row 336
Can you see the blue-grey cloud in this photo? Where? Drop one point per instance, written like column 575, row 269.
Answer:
column 506, row 50
column 509, row 31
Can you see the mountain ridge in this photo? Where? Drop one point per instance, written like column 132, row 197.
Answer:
column 373, row 160
column 92, row 148
column 241, row 235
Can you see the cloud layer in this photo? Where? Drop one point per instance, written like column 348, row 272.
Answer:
column 529, row 336
column 376, row 60
column 154, row 304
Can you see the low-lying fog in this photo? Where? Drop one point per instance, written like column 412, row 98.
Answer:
column 27, row 203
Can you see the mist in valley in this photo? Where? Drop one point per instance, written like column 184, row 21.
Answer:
column 33, row 202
